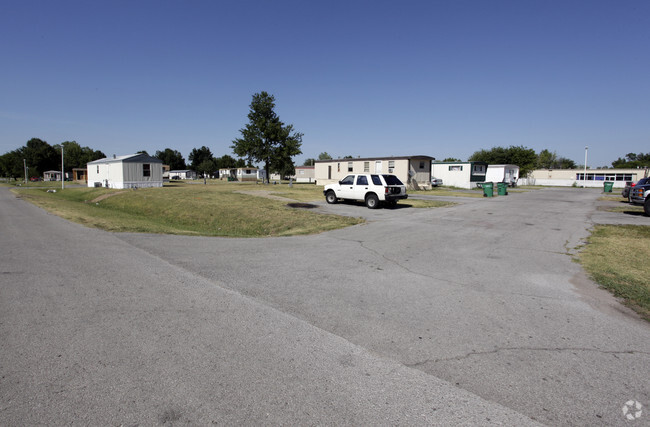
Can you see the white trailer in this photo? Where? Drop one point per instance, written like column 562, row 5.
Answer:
column 502, row 173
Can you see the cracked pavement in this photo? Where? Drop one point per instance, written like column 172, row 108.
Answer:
column 478, row 303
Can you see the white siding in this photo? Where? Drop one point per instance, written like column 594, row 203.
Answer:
column 119, row 174
column 453, row 174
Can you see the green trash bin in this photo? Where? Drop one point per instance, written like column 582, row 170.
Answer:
column 502, row 189
column 488, row 189
column 608, row 186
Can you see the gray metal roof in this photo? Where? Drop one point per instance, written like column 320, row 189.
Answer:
column 356, row 159
column 129, row 158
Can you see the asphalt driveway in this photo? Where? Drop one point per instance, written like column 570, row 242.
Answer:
column 471, row 314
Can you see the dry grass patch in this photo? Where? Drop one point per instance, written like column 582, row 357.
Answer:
column 208, row 210
column 616, row 257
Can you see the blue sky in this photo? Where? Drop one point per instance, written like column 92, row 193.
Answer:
column 360, row 78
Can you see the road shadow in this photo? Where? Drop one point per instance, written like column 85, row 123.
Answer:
column 399, row 205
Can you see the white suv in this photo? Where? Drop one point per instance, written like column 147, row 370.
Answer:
column 371, row 188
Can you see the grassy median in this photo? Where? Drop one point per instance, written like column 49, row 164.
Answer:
column 216, row 209
column 616, row 257
column 206, row 210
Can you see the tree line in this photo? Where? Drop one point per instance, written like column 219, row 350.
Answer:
column 527, row 159
column 38, row 156
column 265, row 139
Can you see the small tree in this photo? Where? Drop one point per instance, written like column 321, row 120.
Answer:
column 206, row 168
column 265, row 138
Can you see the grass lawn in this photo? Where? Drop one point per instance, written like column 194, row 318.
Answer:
column 192, row 208
column 448, row 192
column 41, row 184
column 616, row 257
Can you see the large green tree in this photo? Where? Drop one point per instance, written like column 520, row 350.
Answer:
column 172, row 158
column 76, row 156
column 266, row 139
column 11, row 164
column 521, row 156
column 199, row 156
column 225, row 162
column 41, row 157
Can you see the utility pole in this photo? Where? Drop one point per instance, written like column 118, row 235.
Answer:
column 584, row 177
column 62, row 169
column 25, row 165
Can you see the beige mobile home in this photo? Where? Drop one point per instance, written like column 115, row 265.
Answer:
column 305, row 174
column 413, row 171
column 130, row 171
column 575, row 177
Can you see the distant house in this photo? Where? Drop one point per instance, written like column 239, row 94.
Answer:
column 238, row 174
column 305, row 174
column 227, row 174
column 79, row 174
column 130, row 171
column 52, row 176
column 459, row 174
column 414, row 171
column 182, row 174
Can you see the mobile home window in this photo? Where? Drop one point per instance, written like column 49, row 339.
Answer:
column 421, row 165
column 146, row 169
column 97, row 168
column 391, row 166
column 349, row 166
column 455, row 168
column 366, row 166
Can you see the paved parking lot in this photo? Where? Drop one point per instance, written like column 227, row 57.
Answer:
column 471, row 314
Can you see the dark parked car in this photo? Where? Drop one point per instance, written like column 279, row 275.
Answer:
column 630, row 185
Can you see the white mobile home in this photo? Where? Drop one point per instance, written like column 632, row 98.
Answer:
column 130, row 171
column 459, row 174
column 238, row 174
column 413, row 171
column 502, row 173
column 182, row 174
column 52, row 176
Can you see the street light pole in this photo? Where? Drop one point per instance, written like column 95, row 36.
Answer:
column 584, row 182
column 25, row 165
column 62, row 169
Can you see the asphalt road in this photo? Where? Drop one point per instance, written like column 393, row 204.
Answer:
column 471, row 314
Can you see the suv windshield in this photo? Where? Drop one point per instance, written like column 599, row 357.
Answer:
column 392, row 180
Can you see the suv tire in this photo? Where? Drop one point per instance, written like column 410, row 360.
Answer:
column 646, row 206
column 372, row 201
column 331, row 197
